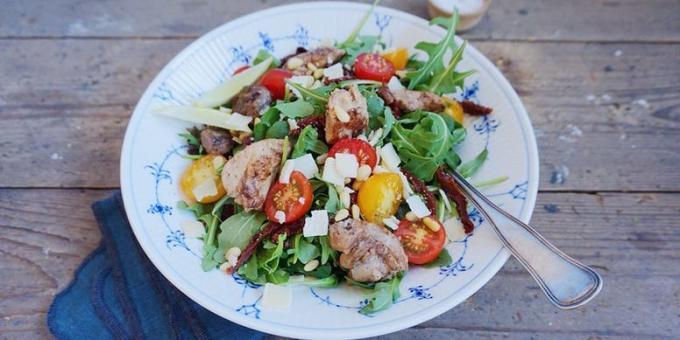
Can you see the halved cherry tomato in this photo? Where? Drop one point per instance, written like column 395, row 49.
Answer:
column 293, row 198
column 194, row 180
column 398, row 57
column 275, row 81
column 241, row 69
column 373, row 66
column 364, row 152
column 379, row 196
column 421, row 244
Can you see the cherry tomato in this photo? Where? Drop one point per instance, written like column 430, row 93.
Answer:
column 364, row 152
column 275, row 81
column 379, row 196
column 398, row 57
column 293, row 198
column 194, row 180
column 373, row 66
column 421, row 244
column 241, row 69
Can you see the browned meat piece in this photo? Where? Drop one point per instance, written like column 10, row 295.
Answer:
column 319, row 57
column 248, row 175
column 370, row 253
column 346, row 114
column 252, row 100
column 216, row 141
column 409, row 101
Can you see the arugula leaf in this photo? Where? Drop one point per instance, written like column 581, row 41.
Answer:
column 296, row 109
column 279, row 130
column 469, row 168
column 237, row 230
column 442, row 260
column 360, row 24
column 327, row 252
column 306, row 251
column 268, row 118
column 384, row 294
column 270, row 262
column 308, row 141
column 449, row 80
column 326, row 282
column 433, row 75
column 364, row 44
column 374, row 103
column 190, row 138
column 262, row 55
column 425, row 146
column 278, row 277
column 333, row 203
column 250, row 272
column 318, row 94
column 198, row 209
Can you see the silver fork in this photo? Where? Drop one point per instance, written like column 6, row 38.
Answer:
column 566, row 282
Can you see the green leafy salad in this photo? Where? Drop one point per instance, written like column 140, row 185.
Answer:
column 331, row 165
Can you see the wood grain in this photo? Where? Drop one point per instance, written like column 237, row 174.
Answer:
column 602, row 120
column 555, row 20
column 633, row 240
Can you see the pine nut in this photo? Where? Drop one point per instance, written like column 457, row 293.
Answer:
column 312, row 67
column 294, row 63
column 344, row 198
column 431, row 223
column 342, row 115
column 318, row 74
column 311, row 265
column 322, row 158
column 232, row 252
column 411, row 216
column 364, row 172
column 356, row 212
column 348, row 180
column 341, row 215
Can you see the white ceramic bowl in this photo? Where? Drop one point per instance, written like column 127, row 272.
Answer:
column 151, row 164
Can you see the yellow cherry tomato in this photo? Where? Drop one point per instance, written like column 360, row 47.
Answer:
column 453, row 109
column 398, row 57
column 380, row 196
column 196, row 180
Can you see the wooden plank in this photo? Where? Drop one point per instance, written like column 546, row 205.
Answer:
column 633, row 240
column 578, row 20
column 601, row 119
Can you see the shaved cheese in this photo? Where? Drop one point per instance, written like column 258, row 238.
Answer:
column 280, row 216
column 392, row 222
column 317, row 225
column 455, row 231
column 334, row 72
column 417, row 206
column 346, row 164
column 390, row 157
column 207, row 116
column 306, row 165
column 192, row 228
column 304, row 81
column 205, row 189
column 330, row 173
column 286, row 170
column 394, row 84
column 406, row 186
column 276, row 297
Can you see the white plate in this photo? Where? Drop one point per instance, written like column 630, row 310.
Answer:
column 150, row 166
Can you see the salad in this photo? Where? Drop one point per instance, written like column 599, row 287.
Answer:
column 331, row 165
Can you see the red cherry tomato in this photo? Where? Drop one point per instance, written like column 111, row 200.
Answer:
column 241, row 69
column 293, row 198
column 364, row 152
column 421, row 244
column 275, row 81
column 373, row 66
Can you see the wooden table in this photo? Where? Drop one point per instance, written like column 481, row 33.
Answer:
column 600, row 79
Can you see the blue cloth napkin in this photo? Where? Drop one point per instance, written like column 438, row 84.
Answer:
column 118, row 294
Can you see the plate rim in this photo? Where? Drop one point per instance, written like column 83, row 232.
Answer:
column 389, row 326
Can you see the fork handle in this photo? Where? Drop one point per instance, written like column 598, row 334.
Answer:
column 565, row 281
